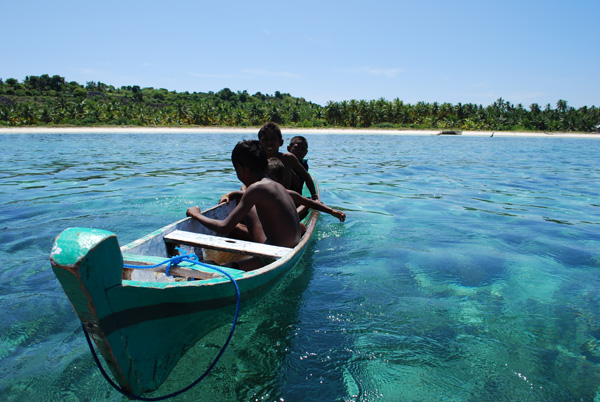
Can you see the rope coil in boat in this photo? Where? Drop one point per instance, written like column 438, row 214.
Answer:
column 172, row 262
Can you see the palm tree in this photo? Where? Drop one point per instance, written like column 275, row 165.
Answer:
column 561, row 105
column 28, row 113
column 182, row 113
column 274, row 115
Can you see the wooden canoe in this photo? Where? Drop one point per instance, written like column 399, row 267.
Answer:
column 143, row 321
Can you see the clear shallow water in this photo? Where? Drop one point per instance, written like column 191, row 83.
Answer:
column 467, row 270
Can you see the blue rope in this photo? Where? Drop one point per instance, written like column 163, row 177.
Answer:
column 192, row 258
column 172, row 262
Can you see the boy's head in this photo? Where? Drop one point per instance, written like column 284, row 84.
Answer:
column 298, row 147
column 270, row 138
column 275, row 170
column 251, row 155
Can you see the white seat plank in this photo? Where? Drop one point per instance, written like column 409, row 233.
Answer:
column 226, row 244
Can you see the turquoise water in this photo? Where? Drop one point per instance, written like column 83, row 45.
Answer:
column 467, row 269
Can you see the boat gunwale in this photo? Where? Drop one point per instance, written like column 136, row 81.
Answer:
column 162, row 231
column 221, row 279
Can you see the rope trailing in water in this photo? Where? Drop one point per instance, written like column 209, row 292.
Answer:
column 192, row 258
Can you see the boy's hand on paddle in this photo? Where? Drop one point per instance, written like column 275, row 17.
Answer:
column 224, row 198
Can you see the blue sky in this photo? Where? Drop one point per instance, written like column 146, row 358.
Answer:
column 525, row 51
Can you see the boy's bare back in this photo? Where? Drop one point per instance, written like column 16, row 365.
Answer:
column 288, row 166
column 276, row 211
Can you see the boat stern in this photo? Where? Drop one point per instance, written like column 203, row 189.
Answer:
column 88, row 262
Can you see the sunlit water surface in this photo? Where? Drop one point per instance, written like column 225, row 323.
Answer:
column 467, row 270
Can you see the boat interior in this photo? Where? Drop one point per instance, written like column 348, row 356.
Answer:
column 188, row 237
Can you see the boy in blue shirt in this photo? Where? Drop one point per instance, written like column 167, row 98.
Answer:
column 299, row 148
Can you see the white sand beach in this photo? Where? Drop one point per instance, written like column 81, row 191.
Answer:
column 286, row 131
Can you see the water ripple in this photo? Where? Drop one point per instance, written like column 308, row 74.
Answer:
column 466, row 270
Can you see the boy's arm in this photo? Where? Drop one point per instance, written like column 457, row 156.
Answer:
column 300, row 171
column 233, row 195
column 228, row 224
column 318, row 205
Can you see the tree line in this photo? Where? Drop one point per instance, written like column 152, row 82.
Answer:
column 51, row 100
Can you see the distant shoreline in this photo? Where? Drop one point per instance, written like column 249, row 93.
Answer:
column 285, row 131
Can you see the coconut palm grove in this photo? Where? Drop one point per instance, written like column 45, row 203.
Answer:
column 52, row 101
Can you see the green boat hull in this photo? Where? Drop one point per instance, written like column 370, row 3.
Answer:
column 142, row 327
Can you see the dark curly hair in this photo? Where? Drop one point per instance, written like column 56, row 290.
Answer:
column 275, row 169
column 270, row 128
column 250, row 154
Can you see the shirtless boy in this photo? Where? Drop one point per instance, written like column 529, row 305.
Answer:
column 299, row 148
column 278, row 223
column 275, row 172
column 271, row 139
